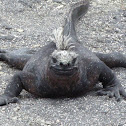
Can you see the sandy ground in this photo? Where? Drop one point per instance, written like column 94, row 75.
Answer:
column 29, row 23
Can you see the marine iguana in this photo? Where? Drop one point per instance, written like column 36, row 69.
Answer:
column 63, row 67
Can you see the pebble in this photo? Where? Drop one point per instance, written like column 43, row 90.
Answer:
column 20, row 30
column 6, row 37
column 6, row 26
column 0, row 68
column 124, row 13
column 1, row 73
column 15, row 118
column 58, row 1
column 16, row 109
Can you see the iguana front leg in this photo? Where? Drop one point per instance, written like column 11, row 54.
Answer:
column 21, row 80
column 111, row 85
column 114, row 59
column 16, row 58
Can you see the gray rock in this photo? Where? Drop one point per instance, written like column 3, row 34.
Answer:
column 6, row 26
column 7, row 37
column 124, row 13
column 58, row 1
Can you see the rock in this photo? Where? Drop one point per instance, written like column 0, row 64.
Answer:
column 0, row 68
column 124, row 13
column 6, row 37
column 58, row 1
column 20, row 30
column 6, row 26
column 16, row 108
column 28, row 3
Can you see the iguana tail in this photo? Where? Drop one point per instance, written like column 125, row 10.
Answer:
column 65, row 36
column 77, row 11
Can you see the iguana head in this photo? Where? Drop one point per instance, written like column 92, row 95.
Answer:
column 64, row 62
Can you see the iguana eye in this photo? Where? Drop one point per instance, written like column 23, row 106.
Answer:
column 54, row 60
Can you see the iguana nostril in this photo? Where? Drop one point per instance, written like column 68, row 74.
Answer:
column 68, row 64
column 64, row 65
column 61, row 64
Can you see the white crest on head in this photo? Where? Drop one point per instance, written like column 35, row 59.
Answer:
column 58, row 37
column 60, row 40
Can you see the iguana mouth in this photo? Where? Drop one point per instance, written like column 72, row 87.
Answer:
column 65, row 72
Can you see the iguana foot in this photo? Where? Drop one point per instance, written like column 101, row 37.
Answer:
column 113, row 91
column 4, row 100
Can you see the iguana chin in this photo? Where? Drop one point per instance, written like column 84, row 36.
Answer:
column 63, row 67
